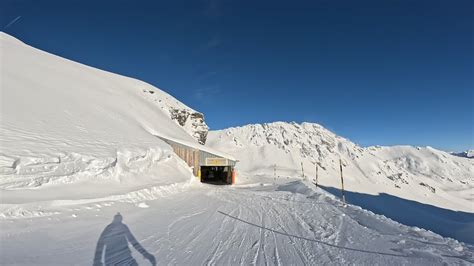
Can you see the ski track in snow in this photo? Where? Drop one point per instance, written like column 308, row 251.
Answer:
column 222, row 225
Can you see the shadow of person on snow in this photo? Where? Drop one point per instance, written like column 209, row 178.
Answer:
column 114, row 240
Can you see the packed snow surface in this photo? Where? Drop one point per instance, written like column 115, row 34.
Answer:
column 78, row 145
column 283, row 222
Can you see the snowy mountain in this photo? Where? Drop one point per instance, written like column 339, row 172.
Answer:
column 419, row 173
column 78, row 145
column 64, row 122
column 465, row 154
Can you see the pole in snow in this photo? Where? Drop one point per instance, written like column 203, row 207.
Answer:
column 302, row 170
column 316, row 177
column 342, row 183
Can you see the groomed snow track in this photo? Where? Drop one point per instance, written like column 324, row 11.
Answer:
column 284, row 223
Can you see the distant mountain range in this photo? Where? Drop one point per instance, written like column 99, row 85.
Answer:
column 466, row 154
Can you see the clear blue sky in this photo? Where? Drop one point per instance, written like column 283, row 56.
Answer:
column 377, row 72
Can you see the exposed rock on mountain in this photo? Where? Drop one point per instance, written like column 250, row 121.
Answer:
column 189, row 119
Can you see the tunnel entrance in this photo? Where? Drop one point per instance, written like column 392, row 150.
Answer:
column 217, row 175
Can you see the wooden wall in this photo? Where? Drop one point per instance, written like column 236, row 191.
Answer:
column 194, row 157
column 189, row 155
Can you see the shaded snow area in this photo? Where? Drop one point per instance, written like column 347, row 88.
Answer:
column 79, row 145
column 283, row 222
column 418, row 186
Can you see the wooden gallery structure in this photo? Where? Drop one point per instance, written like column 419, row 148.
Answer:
column 209, row 165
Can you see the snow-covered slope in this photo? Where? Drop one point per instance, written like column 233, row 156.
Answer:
column 64, row 122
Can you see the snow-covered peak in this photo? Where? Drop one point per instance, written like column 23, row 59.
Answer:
column 424, row 174
column 465, row 154
column 308, row 140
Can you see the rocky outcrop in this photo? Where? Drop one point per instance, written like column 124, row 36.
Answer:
column 190, row 120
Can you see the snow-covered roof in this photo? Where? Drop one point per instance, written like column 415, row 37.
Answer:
column 198, row 146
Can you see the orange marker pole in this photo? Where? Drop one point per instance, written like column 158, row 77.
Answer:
column 233, row 176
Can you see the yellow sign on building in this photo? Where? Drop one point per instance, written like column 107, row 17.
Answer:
column 216, row 161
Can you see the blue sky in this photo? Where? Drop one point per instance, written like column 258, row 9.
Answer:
column 377, row 72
